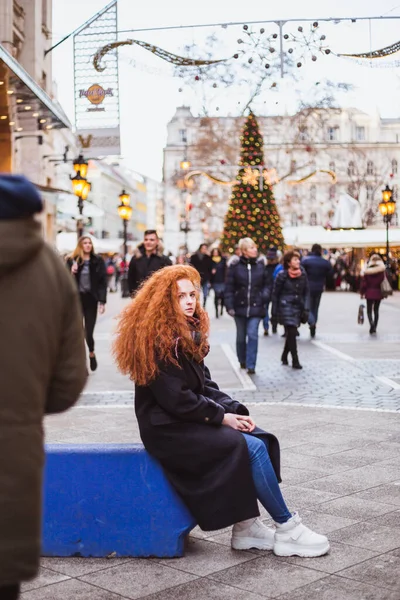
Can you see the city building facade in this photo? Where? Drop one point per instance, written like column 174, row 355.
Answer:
column 314, row 157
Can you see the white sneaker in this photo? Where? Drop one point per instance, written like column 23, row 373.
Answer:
column 252, row 534
column 295, row 539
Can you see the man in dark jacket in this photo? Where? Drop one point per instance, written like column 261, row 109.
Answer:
column 317, row 269
column 42, row 371
column 203, row 263
column 147, row 261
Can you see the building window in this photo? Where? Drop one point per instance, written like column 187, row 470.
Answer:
column 370, row 167
column 313, row 192
column 293, row 165
column 332, row 192
column 303, row 133
column 360, row 134
column 394, row 166
column 352, row 190
column 333, row 134
column 294, row 220
column 313, row 218
column 44, row 13
column 332, row 166
column 183, row 136
column 370, row 192
column 395, row 194
column 44, row 81
column 351, row 169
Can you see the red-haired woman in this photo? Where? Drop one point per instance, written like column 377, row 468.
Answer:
column 218, row 461
column 89, row 271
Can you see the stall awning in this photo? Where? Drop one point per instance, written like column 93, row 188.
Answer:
column 306, row 236
column 28, row 98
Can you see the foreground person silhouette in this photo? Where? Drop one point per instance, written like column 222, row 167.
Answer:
column 213, row 454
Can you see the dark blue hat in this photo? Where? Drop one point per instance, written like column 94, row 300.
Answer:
column 19, row 198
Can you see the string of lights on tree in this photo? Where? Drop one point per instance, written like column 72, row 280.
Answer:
column 252, row 210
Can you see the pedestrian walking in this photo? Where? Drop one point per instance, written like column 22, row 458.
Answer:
column 202, row 262
column 147, row 260
column 90, row 275
column 42, row 371
column 318, row 270
column 290, row 303
column 213, row 454
column 246, row 297
column 218, row 275
column 273, row 256
column 111, row 270
column 371, row 282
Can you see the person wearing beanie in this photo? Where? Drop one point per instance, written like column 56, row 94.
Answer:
column 42, row 371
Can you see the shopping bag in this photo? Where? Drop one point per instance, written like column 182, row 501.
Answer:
column 360, row 319
column 386, row 288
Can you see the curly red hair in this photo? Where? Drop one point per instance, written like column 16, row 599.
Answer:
column 148, row 328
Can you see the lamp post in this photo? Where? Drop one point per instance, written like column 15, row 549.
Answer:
column 387, row 208
column 125, row 212
column 81, row 188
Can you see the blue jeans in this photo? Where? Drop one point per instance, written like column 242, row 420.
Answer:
column 205, row 288
column 266, row 318
column 315, row 299
column 265, row 480
column 247, row 340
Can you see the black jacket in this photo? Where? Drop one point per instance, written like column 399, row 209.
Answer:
column 317, row 269
column 290, row 298
column 203, row 264
column 220, row 271
column 140, row 268
column 179, row 416
column 98, row 277
column 247, row 291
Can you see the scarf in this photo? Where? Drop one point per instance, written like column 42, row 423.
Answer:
column 216, row 259
column 193, row 324
column 374, row 267
column 293, row 273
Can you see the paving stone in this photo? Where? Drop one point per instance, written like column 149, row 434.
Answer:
column 391, row 519
column 340, row 556
column 45, row 577
column 138, row 578
column 204, row 589
column 368, row 535
column 382, row 571
column 354, row 507
column 75, row 567
column 338, row 588
column 71, row 590
column 205, row 557
column 267, row 576
column 388, row 493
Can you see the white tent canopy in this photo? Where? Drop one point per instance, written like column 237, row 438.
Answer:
column 305, row 237
column 347, row 213
column 66, row 242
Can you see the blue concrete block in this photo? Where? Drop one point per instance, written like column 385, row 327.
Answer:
column 101, row 499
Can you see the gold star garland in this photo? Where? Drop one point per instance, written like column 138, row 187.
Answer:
column 387, row 51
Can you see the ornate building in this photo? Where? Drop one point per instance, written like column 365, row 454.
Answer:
column 314, row 156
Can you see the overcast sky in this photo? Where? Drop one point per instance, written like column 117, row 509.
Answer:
column 149, row 99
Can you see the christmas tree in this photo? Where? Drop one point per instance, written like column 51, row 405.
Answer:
column 252, row 210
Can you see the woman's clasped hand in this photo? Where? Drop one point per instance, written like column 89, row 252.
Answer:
column 239, row 422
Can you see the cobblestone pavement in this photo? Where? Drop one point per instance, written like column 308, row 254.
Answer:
column 343, row 366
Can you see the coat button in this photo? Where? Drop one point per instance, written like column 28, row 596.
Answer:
column 206, row 419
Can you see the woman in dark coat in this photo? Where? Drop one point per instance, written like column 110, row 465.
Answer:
column 89, row 271
column 247, row 292
column 211, row 451
column 371, row 289
column 290, row 303
column 218, row 275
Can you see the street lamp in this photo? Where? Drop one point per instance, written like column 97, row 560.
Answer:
column 125, row 212
column 387, row 208
column 81, row 188
column 81, row 166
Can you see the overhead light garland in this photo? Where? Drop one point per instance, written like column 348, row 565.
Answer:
column 175, row 59
column 387, row 51
column 332, row 174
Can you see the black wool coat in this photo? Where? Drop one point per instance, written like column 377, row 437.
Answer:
column 180, row 415
column 203, row 264
column 247, row 288
column 290, row 298
column 140, row 268
column 98, row 277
